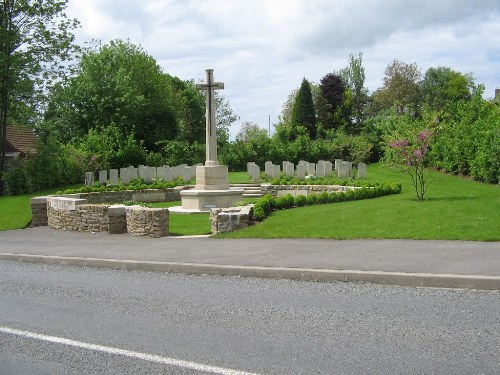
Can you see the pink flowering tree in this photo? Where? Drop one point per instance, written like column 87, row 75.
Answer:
column 410, row 151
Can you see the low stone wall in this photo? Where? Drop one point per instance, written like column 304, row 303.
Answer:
column 147, row 222
column 279, row 190
column 230, row 219
column 149, row 195
column 77, row 215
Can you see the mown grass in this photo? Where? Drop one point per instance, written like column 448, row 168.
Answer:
column 15, row 211
column 455, row 209
column 186, row 225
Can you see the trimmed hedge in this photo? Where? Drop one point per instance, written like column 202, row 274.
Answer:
column 134, row 185
column 264, row 205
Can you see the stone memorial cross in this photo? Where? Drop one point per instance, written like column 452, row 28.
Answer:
column 211, row 139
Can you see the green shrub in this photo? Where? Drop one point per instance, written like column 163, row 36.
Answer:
column 323, row 197
column 285, row 201
column 258, row 213
column 300, row 200
column 312, row 199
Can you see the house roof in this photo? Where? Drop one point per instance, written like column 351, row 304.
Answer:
column 20, row 140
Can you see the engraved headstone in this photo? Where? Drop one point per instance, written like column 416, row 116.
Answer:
column 103, row 177
column 320, row 168
column 343, row 170
column 276, row 172
column 125, row 175
column 301, row 171
column 113, row 176
column 328, row 168
column 89, row 178
column 361, row 170
column 268, row 168
column 311, row 169
column 289, row 169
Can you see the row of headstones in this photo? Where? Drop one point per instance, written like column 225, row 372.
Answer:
column 320, row 169
column 148, row 174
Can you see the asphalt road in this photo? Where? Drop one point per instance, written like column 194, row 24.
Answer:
column 236, row 325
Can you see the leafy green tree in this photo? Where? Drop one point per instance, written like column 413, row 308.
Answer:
column 354, row 76
column 442, row 85
column 401, row 89
column 224, row 118
column 190, row 110
column 36, row 42
column 303, row 112
column 118, row 84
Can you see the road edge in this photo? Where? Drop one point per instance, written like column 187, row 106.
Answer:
column 453, row 281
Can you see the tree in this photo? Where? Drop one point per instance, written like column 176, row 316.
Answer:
column 354, row 76
column 118, row 84
column 338, row 99
column 224, row 118
column 190, row 110
column 36, row 42
column 303, row 112
column 443, row 85
column 401, row 88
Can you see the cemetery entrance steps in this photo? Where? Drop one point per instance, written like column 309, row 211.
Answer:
column 249, row 190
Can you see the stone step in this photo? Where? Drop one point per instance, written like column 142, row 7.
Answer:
column 249, row 190
column 245, row 185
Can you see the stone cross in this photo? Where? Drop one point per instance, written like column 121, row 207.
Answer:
column 211, row 138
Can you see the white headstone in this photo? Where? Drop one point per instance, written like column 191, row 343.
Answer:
column 253, row 171
column 89, row 178
column 132, row 173
column 320, row 168
column 113, row 176
column 125, row 175
column 328, row 168
column 153, row 173
column 146, row 174
column 289, row 169
column 168, row 173
column 103, row 177
column 276, row 172
column 311, row 169
column 160, row 173
column 361, row 170
column 268, row 168
column 337, row 163
column 343, row 170
column 301, row 171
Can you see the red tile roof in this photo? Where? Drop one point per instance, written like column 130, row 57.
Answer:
column 20, row 140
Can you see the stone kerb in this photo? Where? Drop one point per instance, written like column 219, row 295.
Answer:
column 147, row 222
column 230, row 219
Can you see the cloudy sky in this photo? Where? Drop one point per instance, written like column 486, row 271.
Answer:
column 262, row 49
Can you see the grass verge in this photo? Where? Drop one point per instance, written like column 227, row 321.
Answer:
column 454, row 209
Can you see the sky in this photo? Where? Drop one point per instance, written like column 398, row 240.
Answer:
column 262, row 49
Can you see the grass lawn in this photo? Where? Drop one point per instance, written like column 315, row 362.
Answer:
column 15, row 212
column 454, row 209
column 186, row 225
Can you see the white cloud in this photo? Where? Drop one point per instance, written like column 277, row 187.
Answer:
column 263, row 48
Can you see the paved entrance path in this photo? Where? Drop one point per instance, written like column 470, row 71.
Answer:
column 462, row 264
